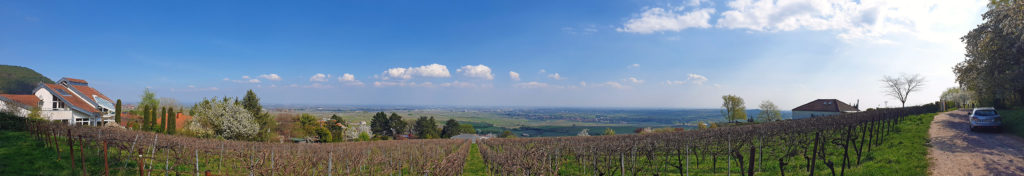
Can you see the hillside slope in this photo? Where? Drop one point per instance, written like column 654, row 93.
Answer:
column 19, row 80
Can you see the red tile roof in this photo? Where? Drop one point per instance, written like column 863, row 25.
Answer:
column 76, row 80
column 28, row 100
column 72, row 98
column 180, row 122
column 826, row 105
column 89, row 92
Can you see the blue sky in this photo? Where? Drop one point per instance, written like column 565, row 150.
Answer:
column 675, row 54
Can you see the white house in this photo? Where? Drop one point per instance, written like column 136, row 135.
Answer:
column 823, row 107
column 70, row 100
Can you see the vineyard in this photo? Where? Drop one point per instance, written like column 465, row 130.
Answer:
column 144, row 153
column 814, row 146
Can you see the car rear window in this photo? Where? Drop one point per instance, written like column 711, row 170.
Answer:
column 985, row 112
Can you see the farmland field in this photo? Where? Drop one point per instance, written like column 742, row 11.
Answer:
column 533, row 122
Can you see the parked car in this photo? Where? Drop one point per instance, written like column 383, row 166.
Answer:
column 986, row 117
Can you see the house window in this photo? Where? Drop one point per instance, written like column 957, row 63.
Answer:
column 62, row 92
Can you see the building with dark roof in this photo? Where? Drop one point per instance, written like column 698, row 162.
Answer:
column 823, row 107
column 69, row 100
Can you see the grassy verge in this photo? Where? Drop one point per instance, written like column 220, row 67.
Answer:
column 905, row 153
column 23, row 155
column 474, row 163
column 1013, row 121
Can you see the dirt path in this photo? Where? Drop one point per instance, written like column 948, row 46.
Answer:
column 955, row 150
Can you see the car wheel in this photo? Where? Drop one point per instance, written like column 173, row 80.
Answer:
column 972, row 128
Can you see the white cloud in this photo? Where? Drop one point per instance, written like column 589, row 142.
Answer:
column 402, row 84
column 318, row 86
column 193, row 88
column 659, row 19
column 613, row 84
column 556, row 76
column 478, row 71
column 542, row 71
column 584, row 30
column 633, row 66
column 513, row 75
column 272, row 77
column 245, row 79
column 696, row 2
column 460, row 84
column 634, row 80
column 349, row 79
column 531, row 84
column 696, row 79
column 867, row 19
column 583, row 84
column 429, row 71
column 319, row 77
column 674, row 82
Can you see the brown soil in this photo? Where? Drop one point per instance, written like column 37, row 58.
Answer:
column 955, row 150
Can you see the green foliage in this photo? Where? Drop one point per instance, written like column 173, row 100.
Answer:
column 769, row 112
column 426, row 128
column 363, row 136
column 474, row 162
column 251, row 103
column 173, row 119
column 35, row 113
column 19, row 80
column 396, row 125
column 145, row 118
column 608, row 132
column 337, row 132
column 451, row 128
column 466, row 129
column 149, row 99
column 734, row 108
column 379, row 124
column 1013, row 121
column 117, row 111
column 162, row 126
column 152, row 118
column 994, row 66
column 507, row 134
column 903, row 153
column 310, row 126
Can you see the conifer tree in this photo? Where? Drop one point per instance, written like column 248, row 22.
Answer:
column 152, row 118
column 163, row 120
column 145, row 118
column 172, row 121
column 117, row 112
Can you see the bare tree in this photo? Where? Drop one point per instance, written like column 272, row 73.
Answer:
column 769, row 112
column 901, row 87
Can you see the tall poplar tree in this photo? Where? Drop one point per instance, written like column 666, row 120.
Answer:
column 152, row 119
column 163, row 120
column 145, row 118
column 173, row 121
column 117, row 112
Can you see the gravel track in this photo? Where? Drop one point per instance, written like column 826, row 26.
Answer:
column 955, row 150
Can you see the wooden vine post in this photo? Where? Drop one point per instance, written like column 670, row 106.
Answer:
column 106, row 166
column 81, row 152
column 71, row 151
